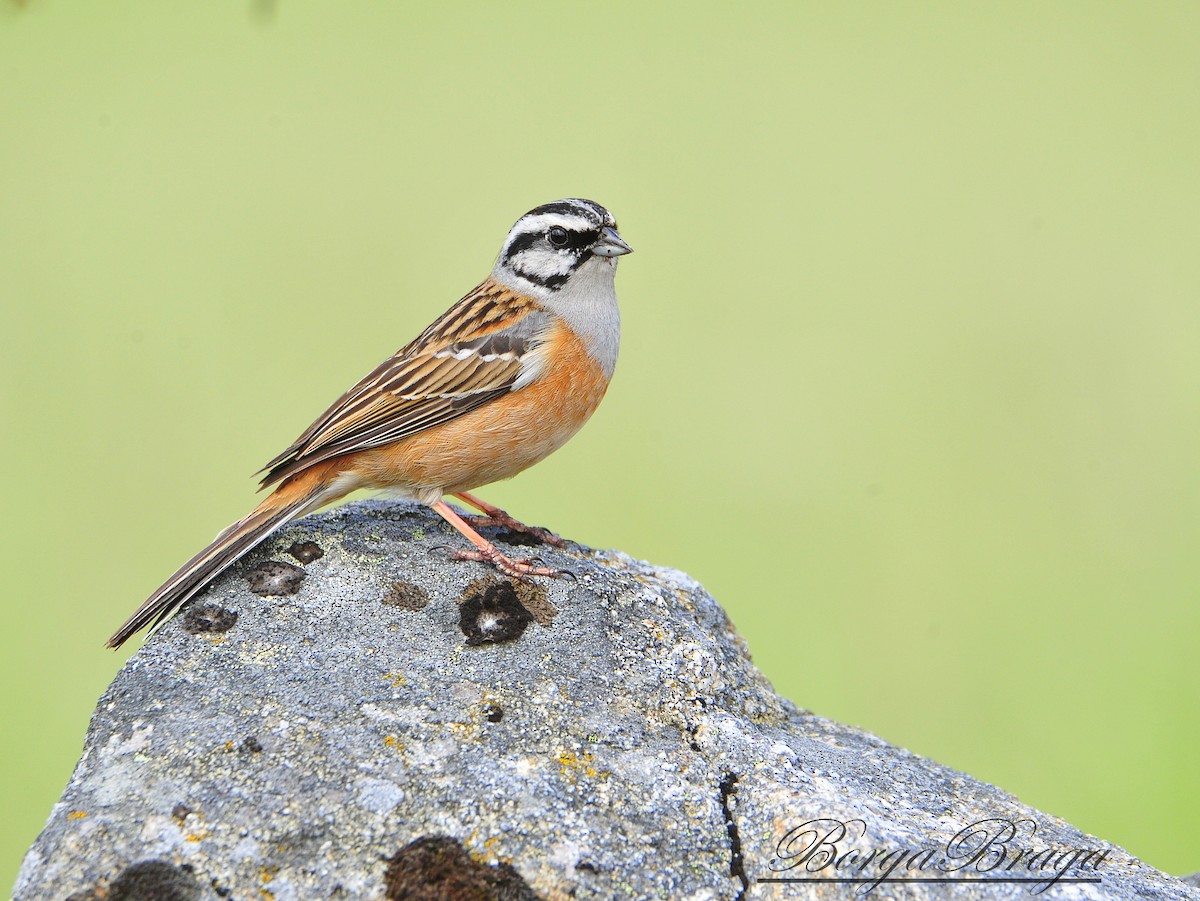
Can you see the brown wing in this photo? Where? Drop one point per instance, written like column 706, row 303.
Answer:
column 470, row 355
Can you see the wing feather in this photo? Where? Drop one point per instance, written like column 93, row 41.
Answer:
column 471, row 355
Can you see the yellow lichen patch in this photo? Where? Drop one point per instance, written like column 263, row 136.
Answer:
column 228, row 746
column 198, row 836
column 489, row 854
column 76, row 814
column 573, row 765
column 395, row 679
column 266, row 873
column 263, row 654
column 393, row 742
column 463, row 731
column 655, row 628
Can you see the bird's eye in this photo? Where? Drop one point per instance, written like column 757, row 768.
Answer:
column 557, row 236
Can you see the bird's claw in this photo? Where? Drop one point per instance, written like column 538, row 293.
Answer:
column 516, row 567
column 500, row 519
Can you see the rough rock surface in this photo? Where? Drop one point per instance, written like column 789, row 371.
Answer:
column 399, row 727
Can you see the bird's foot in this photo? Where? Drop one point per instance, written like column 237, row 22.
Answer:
column 532, row 534
column 517, row 567
column 494, row 516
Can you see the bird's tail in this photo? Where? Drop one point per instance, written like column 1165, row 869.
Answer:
column 304, row 492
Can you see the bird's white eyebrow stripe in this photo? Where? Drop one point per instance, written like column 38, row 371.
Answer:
column 531, row 230
column 543, row 221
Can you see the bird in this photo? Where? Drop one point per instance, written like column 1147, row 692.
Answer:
column 495, row 384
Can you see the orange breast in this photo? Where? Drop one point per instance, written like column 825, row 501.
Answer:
column 499, row 439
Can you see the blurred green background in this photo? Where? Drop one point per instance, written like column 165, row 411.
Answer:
column 909, row 377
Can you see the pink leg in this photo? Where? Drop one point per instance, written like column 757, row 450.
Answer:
column 494, row 516
column 520, row 567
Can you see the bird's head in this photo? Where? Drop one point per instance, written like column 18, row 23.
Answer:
column 552, row 243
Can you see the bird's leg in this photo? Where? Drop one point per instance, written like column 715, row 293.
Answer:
column 494, row 516
column 520, row 567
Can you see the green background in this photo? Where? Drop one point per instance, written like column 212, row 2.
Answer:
column 910, row 368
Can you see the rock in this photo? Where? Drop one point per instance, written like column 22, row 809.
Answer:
column 403, row 726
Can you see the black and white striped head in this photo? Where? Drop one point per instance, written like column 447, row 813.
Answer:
column 550, row 244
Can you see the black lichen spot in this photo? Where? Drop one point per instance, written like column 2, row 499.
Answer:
column 406, row 596
column 306, row 551
column 493, row 713
column 250, row 745
column 520, row 539
column 491, row 613
column 531, row 595
column 201, row 618
column 274, row 577
column 180, row 812
column 438, row 868
column 154, row 880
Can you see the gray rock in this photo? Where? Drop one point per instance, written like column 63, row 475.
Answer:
column 402, row 726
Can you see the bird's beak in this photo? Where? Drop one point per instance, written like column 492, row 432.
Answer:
column 611, row 245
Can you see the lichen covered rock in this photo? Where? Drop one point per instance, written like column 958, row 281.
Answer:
column 398, row 725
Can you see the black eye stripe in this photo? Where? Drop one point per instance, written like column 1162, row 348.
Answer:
column 579, row 240
column 576, row 241
column 521, row 242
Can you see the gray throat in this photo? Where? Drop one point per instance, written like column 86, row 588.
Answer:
column 588, row 302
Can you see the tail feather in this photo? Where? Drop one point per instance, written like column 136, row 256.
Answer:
column 226, row 549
